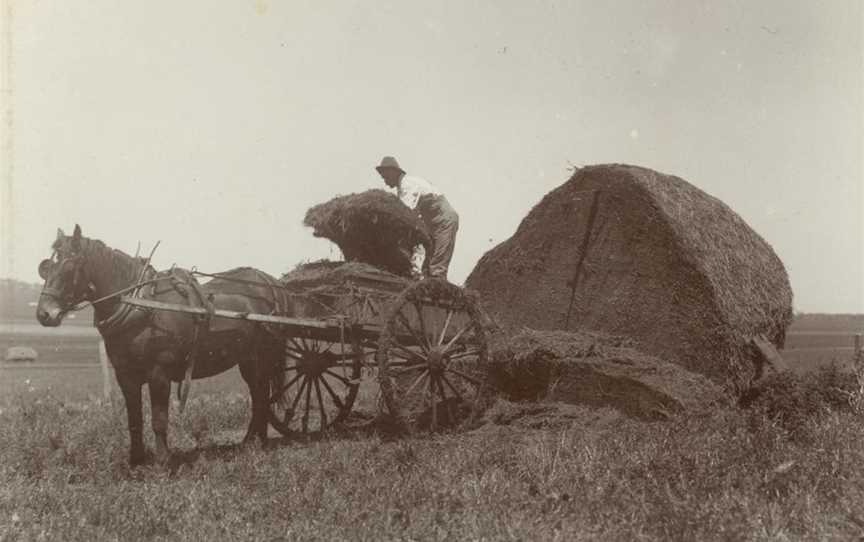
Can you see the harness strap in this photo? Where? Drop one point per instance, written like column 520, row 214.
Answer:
column 126, row 316
column 201, row 322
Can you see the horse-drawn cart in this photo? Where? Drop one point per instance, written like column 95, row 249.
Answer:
column 416, row 348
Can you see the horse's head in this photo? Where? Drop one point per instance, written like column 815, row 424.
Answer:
column 66, row 280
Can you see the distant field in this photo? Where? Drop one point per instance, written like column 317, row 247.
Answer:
column 812, row 341
column 817, row 340
column 80, row 384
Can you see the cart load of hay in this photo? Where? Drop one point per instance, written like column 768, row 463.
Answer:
column 372, row 227
column 629, row 251
column 323, row 288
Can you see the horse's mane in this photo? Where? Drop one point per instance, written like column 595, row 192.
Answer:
column 102, row 257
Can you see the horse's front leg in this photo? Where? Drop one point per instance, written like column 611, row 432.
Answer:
column 160, row 397
column 130, row 384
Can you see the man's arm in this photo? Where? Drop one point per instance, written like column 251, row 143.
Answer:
column 409, row 193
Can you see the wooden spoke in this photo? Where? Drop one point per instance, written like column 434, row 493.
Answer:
column 286, row 369
column 446, row 325
column 405, row 349
column 329, row 348
column 323, row 421
column 346, row 381
column 403, row 370
column 292, row 350
column 420, row 342
column 415, row 383
column 404, row 358
column 469, row 378
column 299, row 394
column 434, row 402
column 402, row 355
column 278, row 395
column 332, row 393
column 308, row 403
column 456, row 337
column 419, row 308
column 299, row 348
column 465, row 354
column 295, row 357
column 452, row 388
column 405, row 363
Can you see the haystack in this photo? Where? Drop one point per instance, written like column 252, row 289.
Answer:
column 657, row 260
column 372, row 227
column 599, row 371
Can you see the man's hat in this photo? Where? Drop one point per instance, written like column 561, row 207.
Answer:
column 389, row 162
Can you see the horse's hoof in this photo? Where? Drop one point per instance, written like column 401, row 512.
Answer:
column 252, row 442
column 137, row 460
column 163, row 459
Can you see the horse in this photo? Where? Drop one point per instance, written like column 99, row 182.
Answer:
column 158, row 347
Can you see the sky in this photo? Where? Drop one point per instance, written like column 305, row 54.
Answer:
column 213, row 126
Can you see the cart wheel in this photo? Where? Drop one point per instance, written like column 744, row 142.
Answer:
column 431, row 356
column 315, row 387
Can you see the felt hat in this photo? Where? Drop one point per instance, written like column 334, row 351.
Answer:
column 389, row 162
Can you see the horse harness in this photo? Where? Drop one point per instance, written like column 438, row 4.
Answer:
column 128, row 318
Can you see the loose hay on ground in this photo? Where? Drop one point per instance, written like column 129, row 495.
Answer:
column 596, row 370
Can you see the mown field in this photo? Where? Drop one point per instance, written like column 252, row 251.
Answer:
column 788, row 469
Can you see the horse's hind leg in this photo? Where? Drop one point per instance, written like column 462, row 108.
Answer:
column 160, row 396
column 255, row 378
column 130, row 384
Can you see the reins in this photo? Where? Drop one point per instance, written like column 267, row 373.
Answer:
column 84, row 304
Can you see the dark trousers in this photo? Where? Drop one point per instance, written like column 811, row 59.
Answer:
column 442, row 222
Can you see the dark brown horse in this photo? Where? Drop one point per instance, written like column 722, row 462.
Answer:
column 157, row 346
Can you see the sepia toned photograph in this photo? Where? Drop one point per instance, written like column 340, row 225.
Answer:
column 485, row 270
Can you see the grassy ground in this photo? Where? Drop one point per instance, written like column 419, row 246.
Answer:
column 734, row 475
column 790, row 471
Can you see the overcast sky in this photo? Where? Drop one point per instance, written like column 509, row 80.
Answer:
column 213, row 126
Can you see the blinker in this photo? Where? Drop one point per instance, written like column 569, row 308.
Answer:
column 45, row 268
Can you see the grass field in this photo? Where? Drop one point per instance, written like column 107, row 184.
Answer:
column 788, row 472
column 734, row 475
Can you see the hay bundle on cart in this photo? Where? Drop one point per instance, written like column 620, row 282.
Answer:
column 629, row 251
column 372, row 227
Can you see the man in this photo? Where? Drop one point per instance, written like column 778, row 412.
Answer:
column 441, row 220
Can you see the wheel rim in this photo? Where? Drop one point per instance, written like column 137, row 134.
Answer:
column 316, row 386
column 431, row 356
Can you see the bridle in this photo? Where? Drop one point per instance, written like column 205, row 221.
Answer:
column 66, row 298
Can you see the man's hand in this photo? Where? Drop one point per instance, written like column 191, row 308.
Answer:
column 418, row 256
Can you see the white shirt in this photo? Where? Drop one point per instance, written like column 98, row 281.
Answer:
column 411, row 189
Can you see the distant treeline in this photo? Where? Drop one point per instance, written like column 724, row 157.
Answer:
column 18, row 299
